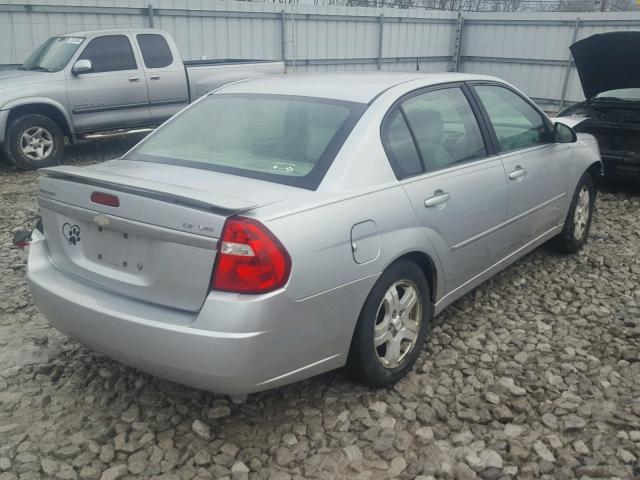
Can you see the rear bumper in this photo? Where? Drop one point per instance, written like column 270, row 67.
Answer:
column 234, row 345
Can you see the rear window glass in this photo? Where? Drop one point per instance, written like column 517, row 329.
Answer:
column 285, row 139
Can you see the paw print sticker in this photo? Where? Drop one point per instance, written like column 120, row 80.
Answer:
column 71, row 233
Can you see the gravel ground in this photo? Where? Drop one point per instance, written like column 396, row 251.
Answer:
column 536, row 374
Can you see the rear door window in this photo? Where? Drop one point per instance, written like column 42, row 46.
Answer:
column 445, row 128
column 155, row 50
column 110, row 53
column 432, row 130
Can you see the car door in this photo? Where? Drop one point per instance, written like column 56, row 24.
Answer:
column 536, row 171
column 166, row 77
column 114, row 93
column 458, row 192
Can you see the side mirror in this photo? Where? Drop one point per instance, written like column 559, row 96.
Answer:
column 82, row 66
column 563, row 133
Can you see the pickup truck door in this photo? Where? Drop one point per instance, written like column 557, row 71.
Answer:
column 114, row 94
column 165, row 74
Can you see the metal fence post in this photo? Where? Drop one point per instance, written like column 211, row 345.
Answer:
column 150, row 15
column 567, row 72
column 457, row 43
column 283, row 37
column 380, row 39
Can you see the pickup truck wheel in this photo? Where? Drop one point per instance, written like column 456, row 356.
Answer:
column 392, row 326
column 34, row 141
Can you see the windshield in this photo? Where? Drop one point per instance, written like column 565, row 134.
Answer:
column 280, row 138
column 629, row 94
column 53, row 54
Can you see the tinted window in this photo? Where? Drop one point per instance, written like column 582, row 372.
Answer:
column 281, row 138
column 155, row 50
column 516, row 123
column 401, row 147
column 110, row 54
column 445, row 128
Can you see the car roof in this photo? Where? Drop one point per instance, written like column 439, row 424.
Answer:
column 111, row 31
column 352, row 87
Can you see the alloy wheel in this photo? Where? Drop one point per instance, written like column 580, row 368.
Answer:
column 582, row 213
column 36, row 143
column 397, row 324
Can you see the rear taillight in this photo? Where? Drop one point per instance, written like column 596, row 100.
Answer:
column 250, row 258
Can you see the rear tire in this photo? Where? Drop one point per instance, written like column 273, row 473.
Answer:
column 34, row 141
column 392, row 326
column 578, row 221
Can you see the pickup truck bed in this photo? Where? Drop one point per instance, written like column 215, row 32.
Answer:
column 207, row 75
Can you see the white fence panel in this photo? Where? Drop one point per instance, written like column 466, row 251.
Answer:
column 528, row 49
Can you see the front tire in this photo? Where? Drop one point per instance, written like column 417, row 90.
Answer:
column 578, row 221
column 34, row 141
column 392, row 326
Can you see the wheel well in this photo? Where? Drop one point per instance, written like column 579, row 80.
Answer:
column 41, row 109
column 595, row 170
column 428, row 268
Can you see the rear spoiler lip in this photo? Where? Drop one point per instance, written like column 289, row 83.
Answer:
column 163, row 191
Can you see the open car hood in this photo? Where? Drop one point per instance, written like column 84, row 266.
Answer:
column 608, row 61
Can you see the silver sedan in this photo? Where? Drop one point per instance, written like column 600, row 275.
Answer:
column 289, row 225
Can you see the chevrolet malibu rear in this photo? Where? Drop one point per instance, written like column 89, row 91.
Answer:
column 269, row 232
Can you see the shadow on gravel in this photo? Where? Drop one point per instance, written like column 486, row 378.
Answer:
column 620, row 187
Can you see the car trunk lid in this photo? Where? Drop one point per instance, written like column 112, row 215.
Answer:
column 608, row 61
column 159, row 243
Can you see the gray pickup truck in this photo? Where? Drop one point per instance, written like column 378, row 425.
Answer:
column 77, row 84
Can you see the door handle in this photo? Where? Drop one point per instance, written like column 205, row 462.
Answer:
column 439, row 197
column 134, row 78
column 519, row 172
column 154, row 77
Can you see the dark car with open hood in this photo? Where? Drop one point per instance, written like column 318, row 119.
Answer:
column 609, row 68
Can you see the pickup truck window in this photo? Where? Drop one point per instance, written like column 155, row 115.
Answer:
column 110, row 53
column 53, row 54
column 279, row 138
column 155, row 50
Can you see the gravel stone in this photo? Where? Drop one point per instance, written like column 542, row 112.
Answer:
column 49, row 467
column 492, row 398
column 239, row 467
column 543, row 452
column 201, row 429
column 573, row 422
column 626, row 456
column 114, row 473
column 425, row 434
column 398, row 465
column 352, row 452
column 532, row 375
column 284, row 456
column 222, row 411
column 107, row 453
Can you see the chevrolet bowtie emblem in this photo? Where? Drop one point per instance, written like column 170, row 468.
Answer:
column 101, row 220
